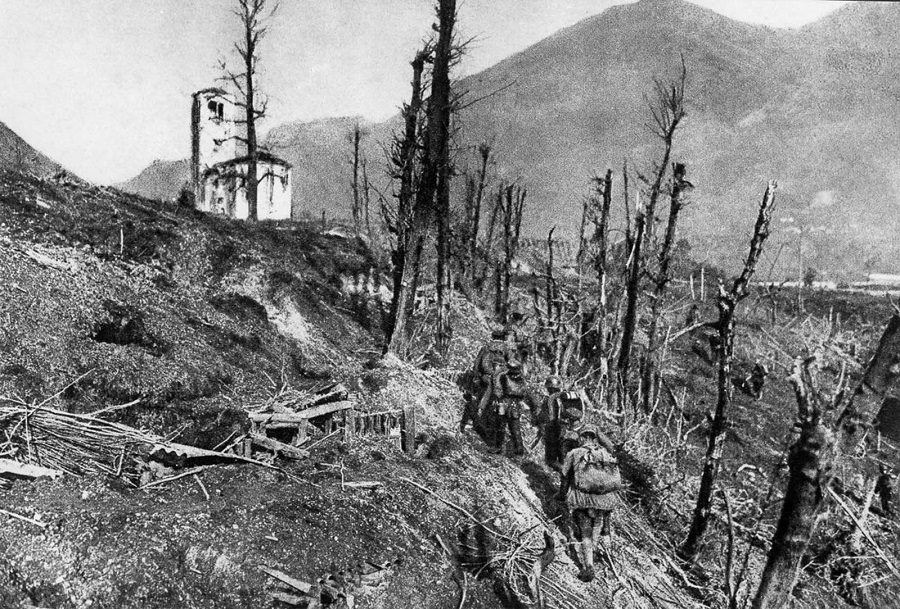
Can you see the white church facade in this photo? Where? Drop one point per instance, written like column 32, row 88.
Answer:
column 219, row 175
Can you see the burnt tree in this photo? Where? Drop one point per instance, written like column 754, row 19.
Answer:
column 727, row 304
column 809, row 461
column 474, row 199
column 254, row 16
column 667, row 112
column 653, row 361
column 513, row 203
column 431, row 193
column 356, row 163
column 403, row 160
column 827, row 429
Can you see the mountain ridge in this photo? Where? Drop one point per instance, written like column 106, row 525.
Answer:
column 812, row 107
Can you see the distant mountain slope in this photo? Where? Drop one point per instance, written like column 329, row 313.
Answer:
column 17, row 155
column 160, row 180
column 815, row 108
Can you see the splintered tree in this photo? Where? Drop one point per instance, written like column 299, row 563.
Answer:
column 727, row 303
column 254, row 16
column 828, row 427
column 809, row 460
column 667, row 111
column 512, row 202
column 594, row 340
column 404, row 162
column 358, row 182
column 472, row 215
column 661, row 278
column 433, row 182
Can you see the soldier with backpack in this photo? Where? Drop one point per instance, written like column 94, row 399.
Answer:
column 590, row 479
column 491, row 363
column 509, row 396
column 549, row 425
column 565, row 418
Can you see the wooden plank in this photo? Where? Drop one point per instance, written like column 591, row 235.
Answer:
column 280, row 448
column 276, row 419
column 293, row 582
column 301, row 437
column 24, row 470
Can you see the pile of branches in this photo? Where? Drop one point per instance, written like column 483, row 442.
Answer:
column 76, row 444
column 520, row 559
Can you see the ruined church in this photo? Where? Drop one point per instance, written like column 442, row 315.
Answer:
column 219, row 175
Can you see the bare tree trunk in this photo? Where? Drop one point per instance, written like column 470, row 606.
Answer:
column 354, row 181
column 443, row 330
column 512, row 225
column 367, row 200
column 727, row 302
column 475, row 221
column 404, row 159
column 811, row 461
column 601, row 241
column 435, row 161
column 632, row 287
column 438, row 170
column 489, row 238
column 652, row 361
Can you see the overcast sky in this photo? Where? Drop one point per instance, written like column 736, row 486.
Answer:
column 103, row 86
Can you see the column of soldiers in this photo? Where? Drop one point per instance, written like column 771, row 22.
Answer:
column 589, row 476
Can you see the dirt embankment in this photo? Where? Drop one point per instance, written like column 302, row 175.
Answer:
column 110, row 299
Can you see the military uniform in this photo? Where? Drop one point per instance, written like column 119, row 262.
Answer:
column 587, row 509
column 564, row 421
column 508, row 400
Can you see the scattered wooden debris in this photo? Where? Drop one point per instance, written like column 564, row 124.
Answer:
column 38, row 523
column 364, row 484
column 14, row 469
column 44, row 440
column 293, row 582
column 47, row 261
column 279, row 448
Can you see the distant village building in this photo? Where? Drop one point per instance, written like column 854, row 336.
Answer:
column 219, row 175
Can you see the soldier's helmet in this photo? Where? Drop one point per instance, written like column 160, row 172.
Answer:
column 553, row 382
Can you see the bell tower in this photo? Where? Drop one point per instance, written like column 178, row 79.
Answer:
column 212, row 135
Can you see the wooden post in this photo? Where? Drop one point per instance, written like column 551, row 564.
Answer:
column 703, row 283
column 693, row 293
column 301, row 436
column 349, row 415
column 409, row 430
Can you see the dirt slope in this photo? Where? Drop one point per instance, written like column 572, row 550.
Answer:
column 110, row 299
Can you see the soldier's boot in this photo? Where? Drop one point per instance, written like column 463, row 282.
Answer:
column 587, row 553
